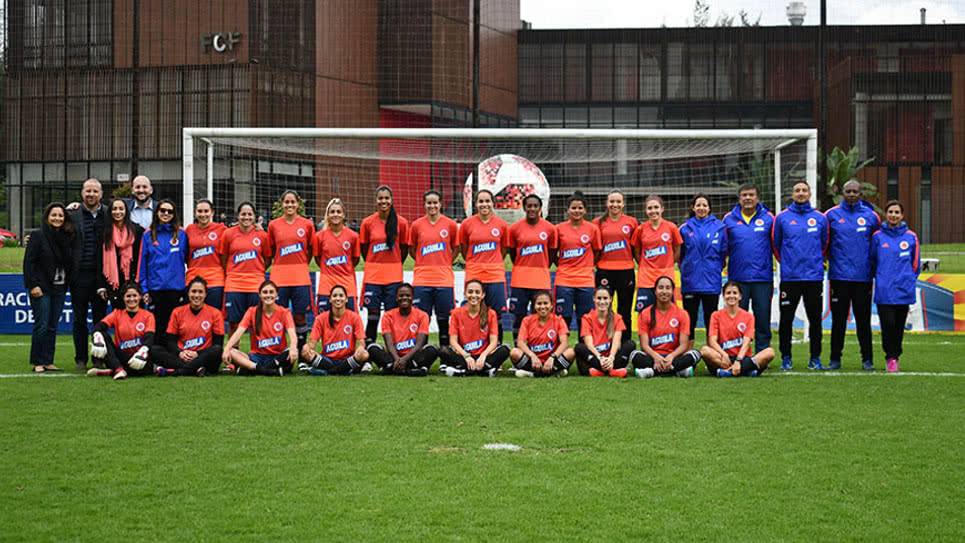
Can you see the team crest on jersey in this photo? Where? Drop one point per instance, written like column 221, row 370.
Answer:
column 861, row 221
column 347, row 329
column 551, row 334
column 812, row 221
column 413, row 327
column 205, row 325
column 625, row 229
column 674, row 322
column 139, row 327
column 213, row 236
column 903, row 245
column 443, row 233
column 300, row 232
column 494, row 232
column 278, row 327
column 346, row 245
column 256, row 242
column 584, row 238
column 543, row 236
column 665, row 236
column 759, row 222
column 741, row 327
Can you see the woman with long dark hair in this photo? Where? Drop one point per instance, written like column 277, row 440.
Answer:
column 243, row 250
column 383, row 237
column 579, row 242
column 656, row 246
column 542, row 349
column 203, row 260
column 164, row 251
column 702, row 258
column 664, row 332
column 336, row 345
column 128, row 351
column 336, row 250
column 615, row 266
column 730, row 337
column 896, row 261
column 274, row 345
column 120, row 253
column 290, row 248
column 474, row 347
column 47, row 269
column 483, row 240
column 603, row 350
column 432, row 246
column 195, row 334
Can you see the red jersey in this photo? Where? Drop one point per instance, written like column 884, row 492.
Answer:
column 246, row 258
column 666, row 332
column 203, row 258
column 577, row 244
column 195, row 332
column 338, row 342
column 656, row 246
column 432, row 245
column 543, row 339
column 590, row 325
column 483, row 244
column 731, row 331
column 472, row 337
column 336, row 254
column 405, row 329
column 383, row 266
column 532, row 245
column 129, row 331
column 271, row 338
column 290, row 247
column 617, row 253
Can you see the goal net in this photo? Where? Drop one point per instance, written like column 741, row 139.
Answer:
column 232, row 165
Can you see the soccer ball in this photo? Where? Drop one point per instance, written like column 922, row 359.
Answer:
column 510, row 178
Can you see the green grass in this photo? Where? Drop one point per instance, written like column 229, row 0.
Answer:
column 385, row 458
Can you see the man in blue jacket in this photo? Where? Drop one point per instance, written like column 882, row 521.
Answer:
column 852, row 223
column 749, row 262
column 800, row 239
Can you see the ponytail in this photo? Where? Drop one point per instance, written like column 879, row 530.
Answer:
column 392, row 221
column 483, row 308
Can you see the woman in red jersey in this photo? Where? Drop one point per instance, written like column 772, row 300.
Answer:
column 664, row 332
column 336, row 250
column 194, row 337
column 274, row 345
column 615, row 266
column 533, row 243
column 120, row 255
column 290, row 248
column 483, row 241
column 405, row 330
column 580, row 246
column 474, row 347
column 336, row 345
column 656, row 246
column 730, row 339
column 128, row 353
column 432, row 246
column 605, row 348
column 203, row 258
column 542, row 349
column 383, row 237
column 243, row 250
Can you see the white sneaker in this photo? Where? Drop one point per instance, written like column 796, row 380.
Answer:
column 561, row 373
column 121, row 374
column 492, row 372
column 523, row 373
column 687, row 372
column 644, row 373
column 366, row 368
column 453, row 372
column 99, row 372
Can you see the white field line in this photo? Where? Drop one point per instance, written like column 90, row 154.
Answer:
column 39, row 375
column 864, row 374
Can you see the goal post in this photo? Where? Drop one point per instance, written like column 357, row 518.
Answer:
column 228, row 165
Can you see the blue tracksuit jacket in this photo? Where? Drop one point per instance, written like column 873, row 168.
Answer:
column 800, row 239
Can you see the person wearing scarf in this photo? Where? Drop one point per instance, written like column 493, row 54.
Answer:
column 121, row 251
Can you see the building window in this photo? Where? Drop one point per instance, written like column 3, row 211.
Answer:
column 649, row 74
column 58, row 33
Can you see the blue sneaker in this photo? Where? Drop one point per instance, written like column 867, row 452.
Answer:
column 815, row 364
column 834, row 365
column 786, row 364
column 868, row 365
column 724, row 373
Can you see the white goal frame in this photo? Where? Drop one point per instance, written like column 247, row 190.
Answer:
column 789, row 136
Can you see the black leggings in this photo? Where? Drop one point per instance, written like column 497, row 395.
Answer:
column 791, row 294
column 892, row 319
column 118, row 359
column 560, row 363
column 209, row 359
column 689, row 359
column 623, row 286
column 164, row 302
column 585, row 360
column 494, row 359
column 692, row 303
column 850, row 296
column 421, row 359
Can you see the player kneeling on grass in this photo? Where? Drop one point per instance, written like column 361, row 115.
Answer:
column 664, row 337
column 194, row 337
column 730, row 336
column 474, row 347
column 336, row 345
column 603, row 351
column 405, row 330
column 542, row 348
column 133, row 336
column 274, row 341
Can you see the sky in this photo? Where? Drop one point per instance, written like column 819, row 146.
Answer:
column 679, row 13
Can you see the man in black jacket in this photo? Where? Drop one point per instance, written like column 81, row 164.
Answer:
column 89, row 221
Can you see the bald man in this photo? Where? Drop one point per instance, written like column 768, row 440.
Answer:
column 141, row 205
column 852, row 222
column 90, row 219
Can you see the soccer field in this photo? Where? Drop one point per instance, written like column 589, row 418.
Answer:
column 798, row 456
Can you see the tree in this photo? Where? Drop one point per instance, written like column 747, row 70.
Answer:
column 746, row 18
column 842, row 167
column 701, row 13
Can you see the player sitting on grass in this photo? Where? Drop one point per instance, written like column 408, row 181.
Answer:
column 405, row 330
column 542, row 349
column 133, row 336
column 664, row 336
column 336, row 345
column 603, row 350
column 194, row 337
column 271, row 352
column 730, row 337
column 474, row 347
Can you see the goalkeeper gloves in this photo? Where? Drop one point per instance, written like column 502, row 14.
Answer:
column 139, row 360
column 98, row 346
